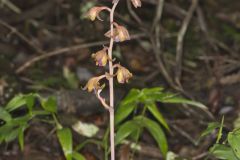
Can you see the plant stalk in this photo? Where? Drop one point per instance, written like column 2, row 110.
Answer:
column 111, row 88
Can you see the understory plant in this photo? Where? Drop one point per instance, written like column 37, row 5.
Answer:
column 117, row 33
column 34, row 108
column 132, row 115
column 226, row 147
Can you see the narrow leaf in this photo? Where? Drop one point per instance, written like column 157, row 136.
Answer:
column 210, row 128
column 157, row 114
column 17, row 102
column 78, row 156
column 125, row 130
column 157, row 133
column 65, row 139
column 123, row 111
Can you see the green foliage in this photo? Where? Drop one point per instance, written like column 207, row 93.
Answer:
column 137, row 103
column 14, row 127
column 65, row 138
column 229, row 149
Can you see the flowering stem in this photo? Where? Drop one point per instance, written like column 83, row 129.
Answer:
column 111, row 89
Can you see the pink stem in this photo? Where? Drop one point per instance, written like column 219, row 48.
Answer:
column 111, row 89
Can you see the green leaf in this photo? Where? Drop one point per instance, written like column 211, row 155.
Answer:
column 223, row 152
column 65, row 139
column 4, row 115
column 150, row 91
column 21, row 136
column 184, row 101
column 125, row 130
column 157, row 133
column 49, row 104
column 78, row 156
column 30, row 101
column 12, row 135
column 234, row 141
column 210, row 128
column 220, row 131
column 123, row 111
column 17, row 102
column 132, row 96
column 157, row 114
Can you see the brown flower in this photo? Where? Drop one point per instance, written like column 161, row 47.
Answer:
column 93, row 13
column 123, row 74
column 101, row 57
column 120, row 34
column 93, row 84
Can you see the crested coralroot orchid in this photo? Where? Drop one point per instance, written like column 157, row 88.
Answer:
column 120, row 33
column 94, row 12
column 136, row 3
column 123, row 74
column 94, row 84
column 117, row 33
column 101, row 57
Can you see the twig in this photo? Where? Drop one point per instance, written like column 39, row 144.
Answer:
column 158, row 14
column 32, row 61
column 21, row 36
column 181, row 35
column 11, row 6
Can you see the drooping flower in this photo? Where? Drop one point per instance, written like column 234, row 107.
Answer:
column 136, row 3
column 94, row 84
column 101, row 57
column 120, row 33
column 94, row 12
column 123, row 74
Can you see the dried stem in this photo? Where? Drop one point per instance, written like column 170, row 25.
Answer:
column 111, row 89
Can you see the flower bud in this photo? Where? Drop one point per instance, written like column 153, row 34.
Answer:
column 93, row 13
column 136, row 3
column 93, row 84
column 101, row 57
column 123, row 74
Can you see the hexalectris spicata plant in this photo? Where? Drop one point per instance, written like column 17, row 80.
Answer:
column 117, row 33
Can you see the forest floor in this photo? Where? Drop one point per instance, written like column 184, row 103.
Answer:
column 46, row 47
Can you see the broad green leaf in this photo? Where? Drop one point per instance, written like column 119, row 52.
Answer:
column 17, row 102
column 184, row 101
column 4, row 115
column 210, row 128
column 78, row 156
column 125, row 130
column 49, row 104
column 157, row 133
column 123, row 111
column 65, row 139
column 132, row 96
column 157, row 114
column 223, row 152
column 234, row 141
